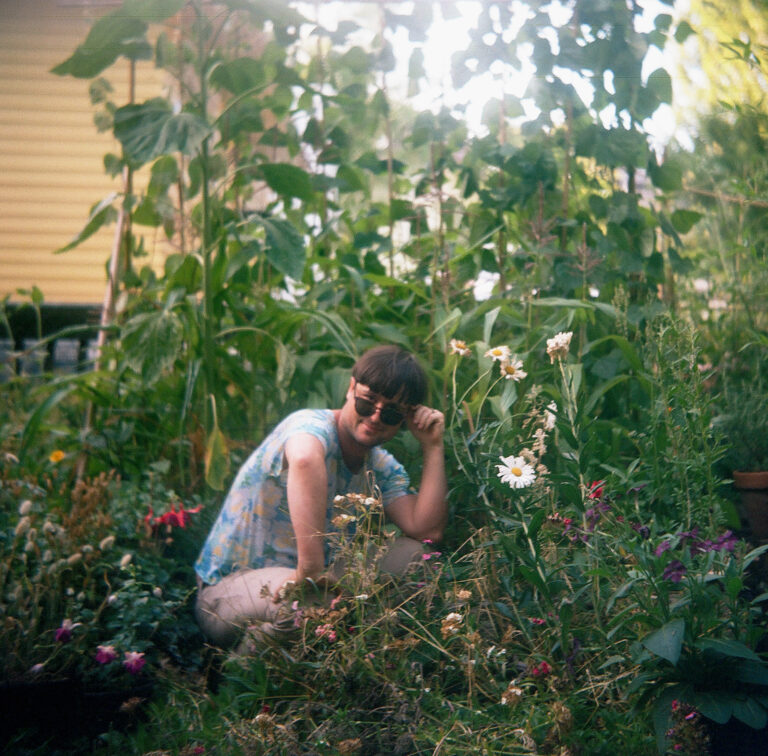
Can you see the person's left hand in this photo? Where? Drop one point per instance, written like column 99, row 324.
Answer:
column 427, row 425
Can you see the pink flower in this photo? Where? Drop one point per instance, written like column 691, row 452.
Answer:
column 134, row 661
column 537, row 621
column 105, row 654
column 326, row 631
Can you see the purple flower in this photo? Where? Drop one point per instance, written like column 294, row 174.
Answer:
column 662, row 547
column 674, row 571
column 685, row 535
column 64, row 633
column 643, row 530
column 134, row 661
column 726, row 542
column 105, row 654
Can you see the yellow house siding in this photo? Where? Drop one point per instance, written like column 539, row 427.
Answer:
column 51, row 154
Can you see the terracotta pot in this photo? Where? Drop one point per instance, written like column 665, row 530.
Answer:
column 753, row 487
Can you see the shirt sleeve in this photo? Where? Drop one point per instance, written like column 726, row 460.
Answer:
column 391, row 478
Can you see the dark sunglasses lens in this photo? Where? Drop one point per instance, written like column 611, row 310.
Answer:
column 389, row 415
column 363, row 407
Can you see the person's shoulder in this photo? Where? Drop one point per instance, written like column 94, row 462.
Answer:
column 314, row 421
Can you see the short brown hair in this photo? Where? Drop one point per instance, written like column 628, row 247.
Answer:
column 392, row 372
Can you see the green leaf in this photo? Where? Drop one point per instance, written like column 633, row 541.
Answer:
column 488, row 322
column 727, row 647
column 285, row 247
column 152, row 341
column 685, row 220
column 110, row 37
column 750, row 712
column 668, row 176
column 717, row 706
column 667, row 641
column 288, row 180
column 683, row 31
column 749, row 672
column 151, row 129
column 660, row 83
column 216, row 458
column 101, row 214
column 239, row 75
column 32, row 427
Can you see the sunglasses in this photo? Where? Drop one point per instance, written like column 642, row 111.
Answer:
column 390, row 414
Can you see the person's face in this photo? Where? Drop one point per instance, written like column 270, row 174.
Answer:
column 373, row 419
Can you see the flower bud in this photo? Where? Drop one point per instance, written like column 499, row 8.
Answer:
column 73, row 559
column 126, row 560
column 107, row 543
column 25, row 507
column 23, row 525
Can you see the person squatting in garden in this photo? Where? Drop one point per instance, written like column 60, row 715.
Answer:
column 271, row 531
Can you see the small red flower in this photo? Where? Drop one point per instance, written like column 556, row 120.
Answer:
column 541, row 670
column 596, row 489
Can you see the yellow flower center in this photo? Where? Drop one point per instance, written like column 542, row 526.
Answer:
column 516, row 471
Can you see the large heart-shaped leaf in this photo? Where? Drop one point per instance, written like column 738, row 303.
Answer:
column 118, row 33
column 151, row 129
column 285, row 247
column 667, row 641
column 288, row 180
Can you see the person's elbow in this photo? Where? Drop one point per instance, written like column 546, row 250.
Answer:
column 433, row 532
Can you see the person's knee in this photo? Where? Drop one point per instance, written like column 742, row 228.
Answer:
column 401, row 556
column 217, row 629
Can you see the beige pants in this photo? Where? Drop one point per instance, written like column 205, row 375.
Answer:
column 243, row 599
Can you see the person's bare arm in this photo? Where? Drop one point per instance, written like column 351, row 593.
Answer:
column 423, row 515
column 307, row 495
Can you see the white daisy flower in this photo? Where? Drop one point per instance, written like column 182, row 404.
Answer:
column 512, row 370
column 499, row 353
column 516, row 472
column 460, row 347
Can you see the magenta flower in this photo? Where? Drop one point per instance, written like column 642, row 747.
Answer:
column 541, row 670
column 64, row 633
column 105, row 654
column 134, row 661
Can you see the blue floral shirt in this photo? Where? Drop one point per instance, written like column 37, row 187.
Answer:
column 254, row 527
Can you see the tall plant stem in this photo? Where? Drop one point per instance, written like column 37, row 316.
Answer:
column 207, row 240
